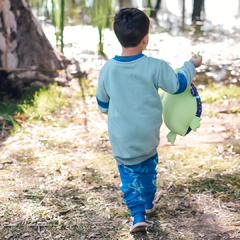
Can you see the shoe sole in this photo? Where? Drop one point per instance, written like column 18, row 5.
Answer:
column 139, row 229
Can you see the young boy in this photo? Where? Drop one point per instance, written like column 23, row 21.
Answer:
column 128, row 92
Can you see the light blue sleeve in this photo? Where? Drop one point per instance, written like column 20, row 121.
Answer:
column 175, row 83
column 102, row 96
column 185, row 75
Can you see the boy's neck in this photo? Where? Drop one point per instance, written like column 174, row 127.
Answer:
column 131, row 51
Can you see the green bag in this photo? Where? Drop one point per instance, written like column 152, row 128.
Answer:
column 181, row 112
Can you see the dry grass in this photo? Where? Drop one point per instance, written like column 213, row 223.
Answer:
column 60, row 181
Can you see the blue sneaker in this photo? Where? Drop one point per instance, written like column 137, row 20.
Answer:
column 138, row 223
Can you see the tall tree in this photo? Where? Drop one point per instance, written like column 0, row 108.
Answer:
column 26, row 56
column 183, row 14
column 197, row 7
column 155, row 10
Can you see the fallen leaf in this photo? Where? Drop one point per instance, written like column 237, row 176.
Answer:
column 79, row 120
column 58, row 236
column 21, row 117
column 94, row 235
column 236, row 224
column 124, row 222
column 9, row 235
column 201, row 235
column 70, row 176
column 89, row 198
column 25, row 235
column 94, row 187
column 64, row 212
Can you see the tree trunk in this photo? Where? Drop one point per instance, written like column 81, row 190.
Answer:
column 157, row 7
column 26, row 56
column 183, row 14
column 197, row 7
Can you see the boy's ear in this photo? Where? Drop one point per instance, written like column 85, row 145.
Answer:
column 145, row 39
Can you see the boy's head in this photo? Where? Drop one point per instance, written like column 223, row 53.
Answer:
column 130, row 26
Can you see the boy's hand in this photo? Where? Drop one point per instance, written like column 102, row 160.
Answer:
column 198, row 61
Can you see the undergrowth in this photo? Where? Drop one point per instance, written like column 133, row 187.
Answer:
column 44, row 102
column 219, row 93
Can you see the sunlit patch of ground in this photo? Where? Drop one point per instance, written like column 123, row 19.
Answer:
column 60, row 181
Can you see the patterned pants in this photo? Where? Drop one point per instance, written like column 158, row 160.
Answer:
column 139, row 184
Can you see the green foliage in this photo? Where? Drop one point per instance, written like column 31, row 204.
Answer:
column 7, row 110
column 216, row 93
column 39, row 5
column 100, row 13
column 44, row 102
column 9, row 120
column 10, row 109
column 72, row 11
column 87, row 87
column 58, row 16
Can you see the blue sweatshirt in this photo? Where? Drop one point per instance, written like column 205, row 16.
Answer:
column 128, row 92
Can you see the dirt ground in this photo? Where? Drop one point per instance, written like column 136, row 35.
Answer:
column 63, row 159
column 213, row 223
column 201, row 216
column 57, row 158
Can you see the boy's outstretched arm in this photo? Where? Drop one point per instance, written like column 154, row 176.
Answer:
column 182, row 77
column 176, row 83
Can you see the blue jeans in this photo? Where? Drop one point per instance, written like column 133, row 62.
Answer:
column 139, row 184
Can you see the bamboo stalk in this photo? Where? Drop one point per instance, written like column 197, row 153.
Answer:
column 54, row 17
column 62, row 23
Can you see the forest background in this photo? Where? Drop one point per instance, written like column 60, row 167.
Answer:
column 57, row 175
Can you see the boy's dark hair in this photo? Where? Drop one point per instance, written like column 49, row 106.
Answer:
column 130, row 26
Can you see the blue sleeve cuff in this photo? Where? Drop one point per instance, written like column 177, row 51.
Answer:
column 182, row 83
column 102, row 104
